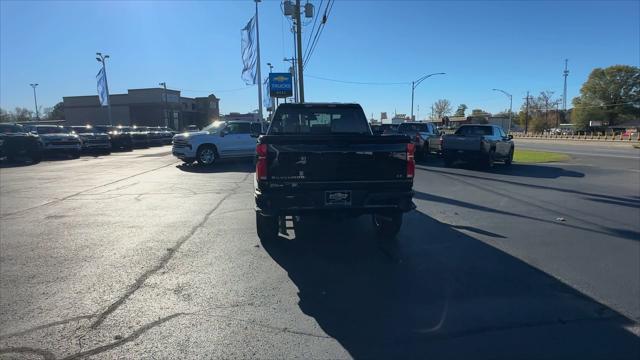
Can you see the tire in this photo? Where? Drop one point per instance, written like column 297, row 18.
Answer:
column 206, row 155
column 509, row 158
column 448, row 161
column 387, row 225
column 489, row 159
column 75, row 154
column 266, row 226
column 36, row 157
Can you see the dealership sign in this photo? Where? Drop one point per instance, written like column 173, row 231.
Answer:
column 280, row 85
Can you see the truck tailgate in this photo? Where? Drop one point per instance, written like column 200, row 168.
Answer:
column 462, row 142
column 307, row 159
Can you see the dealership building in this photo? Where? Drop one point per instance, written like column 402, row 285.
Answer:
column 143, row 107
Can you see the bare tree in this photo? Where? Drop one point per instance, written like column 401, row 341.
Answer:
column 441, row 108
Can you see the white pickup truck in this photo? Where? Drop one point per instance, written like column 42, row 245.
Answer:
column 219, row 140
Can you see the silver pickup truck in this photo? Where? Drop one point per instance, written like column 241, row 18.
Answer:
column 480, row 144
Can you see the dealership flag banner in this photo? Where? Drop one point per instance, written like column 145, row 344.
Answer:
column 249, row 52
column 102, row 88
column 266, row 101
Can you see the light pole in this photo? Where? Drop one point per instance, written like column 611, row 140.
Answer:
column 35, row 100
column 166, row 105
column 273, row 100
column 103, row 59
column 510, row 107
column 415, row 84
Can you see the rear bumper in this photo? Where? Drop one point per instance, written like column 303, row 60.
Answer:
column 313, row 202
column 466, row 155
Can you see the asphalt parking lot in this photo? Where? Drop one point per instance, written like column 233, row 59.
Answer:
column 134, row 255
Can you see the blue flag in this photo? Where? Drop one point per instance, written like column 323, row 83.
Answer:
column 249, row 52
column 103, row 93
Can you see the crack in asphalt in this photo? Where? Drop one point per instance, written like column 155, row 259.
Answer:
column 164, row 259
column 44, row 326
column 47, row 355
column 7, row 215
column 161, row 264
column 136, row 334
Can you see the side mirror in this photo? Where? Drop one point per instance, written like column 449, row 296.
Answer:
column 223, row 133
column 256, row 129
column 510, row 137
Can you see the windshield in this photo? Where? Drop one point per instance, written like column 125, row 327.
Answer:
column 319, row 120
column 51, row 130
column 413, row 128
column 474, row 130
column 83, row 129
column 215, row 126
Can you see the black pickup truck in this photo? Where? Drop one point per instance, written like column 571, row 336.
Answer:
column 322, row 158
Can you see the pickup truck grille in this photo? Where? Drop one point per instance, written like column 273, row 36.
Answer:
column 180, row 144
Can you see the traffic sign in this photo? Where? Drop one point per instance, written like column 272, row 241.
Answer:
column 280, row 85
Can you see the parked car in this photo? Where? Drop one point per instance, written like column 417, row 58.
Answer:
column 166, row 135
column 323, row 159
column 139, row 136
column 155, row 135
column 57, row 139
column 480, row 144
column 120, row 140
column 425, row 136
column 92, row 138
column 18, row 143
column 219, row 140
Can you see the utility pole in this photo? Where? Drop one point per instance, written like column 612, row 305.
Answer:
column 564, row 94
column 103, row 59
column 166, row 105
column 258, row 64
column 299, row 41
column 293, row 71
column 526, row 115
column 35, row 100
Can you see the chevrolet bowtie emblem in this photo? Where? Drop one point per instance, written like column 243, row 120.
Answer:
column 280, row 78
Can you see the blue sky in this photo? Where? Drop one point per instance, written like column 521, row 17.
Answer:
column 195, row 46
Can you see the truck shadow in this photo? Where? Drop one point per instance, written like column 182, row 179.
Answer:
column 439, row 293
column 220, row 166
column 516, row 170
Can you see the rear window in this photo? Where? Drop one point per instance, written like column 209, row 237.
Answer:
column 413, row 128
column 319, row 120
column 475, row 130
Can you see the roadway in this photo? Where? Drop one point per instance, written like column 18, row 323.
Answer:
column 134, row 255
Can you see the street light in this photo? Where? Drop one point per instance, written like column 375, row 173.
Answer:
column 510, row 106
column 295, row 78
column 415, row 84
column 103, row 59
column 166, row 106
column 270, row 67
column 35, row 99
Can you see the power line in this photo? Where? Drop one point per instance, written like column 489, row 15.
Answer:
column 314, row 34
column 314, row 23
column 359, row 82
column 327, row 12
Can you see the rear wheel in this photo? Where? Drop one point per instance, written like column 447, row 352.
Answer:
column 489, row 159
column 387, row 225
column 267, row 226
column 75, row 154
column 36, row 157
column 206, row 155
column 509, row 158
column 448, row 160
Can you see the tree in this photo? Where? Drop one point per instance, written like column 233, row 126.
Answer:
column 611, row 95
column 5, row 116
column 461, row 109
column 479, row 112
column 441, row 108
column 55, row 113
column 22, row 114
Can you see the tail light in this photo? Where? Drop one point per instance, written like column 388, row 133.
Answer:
column 411, row 162
column 261, row 163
